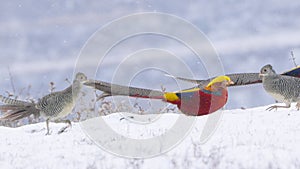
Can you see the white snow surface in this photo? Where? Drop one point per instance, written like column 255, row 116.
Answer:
column 252, row 138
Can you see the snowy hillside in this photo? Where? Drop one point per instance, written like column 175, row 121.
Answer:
column 252, row 138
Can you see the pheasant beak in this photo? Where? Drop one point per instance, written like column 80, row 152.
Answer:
column 85, row 81
column 230, row 83
column 261, row 75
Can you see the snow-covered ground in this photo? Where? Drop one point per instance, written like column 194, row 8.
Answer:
column 252, row 138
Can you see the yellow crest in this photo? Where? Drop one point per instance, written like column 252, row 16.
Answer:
column 218, row 80
column 171, row 96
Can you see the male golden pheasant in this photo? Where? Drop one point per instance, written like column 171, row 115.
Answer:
column 194, row 102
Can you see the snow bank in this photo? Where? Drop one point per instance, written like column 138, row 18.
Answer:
column 252, row 138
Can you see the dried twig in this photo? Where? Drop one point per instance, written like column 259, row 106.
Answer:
column 163, row 89
column 9, row 94
column 68, row 81
column 137, row 106
column 52, row 87
column 293, row 58
column 11, row 80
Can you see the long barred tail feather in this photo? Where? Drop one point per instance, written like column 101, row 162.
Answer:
column 17, row 109
column 15, row 115
column 10, row 101
column 113, row 90
column 16, row 112
column 239, row 79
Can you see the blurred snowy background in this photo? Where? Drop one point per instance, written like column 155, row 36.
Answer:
column 40, row 40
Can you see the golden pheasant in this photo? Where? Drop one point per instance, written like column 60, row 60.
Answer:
column 195, row 102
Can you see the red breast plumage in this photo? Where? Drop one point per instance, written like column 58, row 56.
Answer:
column 198, row 102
